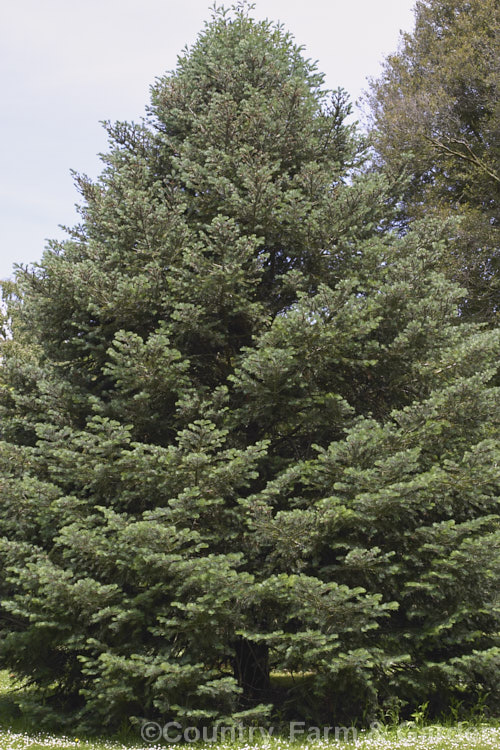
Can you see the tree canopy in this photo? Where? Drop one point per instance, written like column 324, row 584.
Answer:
column 245, row 429
column 436, row 117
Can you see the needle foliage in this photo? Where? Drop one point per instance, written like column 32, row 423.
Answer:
column 244, row 429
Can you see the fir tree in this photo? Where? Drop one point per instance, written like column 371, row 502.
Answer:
column 243, row 428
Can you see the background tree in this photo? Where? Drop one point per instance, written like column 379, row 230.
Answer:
column 208, row 403
column 435, row 116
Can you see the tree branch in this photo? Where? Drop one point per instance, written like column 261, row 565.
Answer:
column 471, row 157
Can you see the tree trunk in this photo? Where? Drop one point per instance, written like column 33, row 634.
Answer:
column 251, row 668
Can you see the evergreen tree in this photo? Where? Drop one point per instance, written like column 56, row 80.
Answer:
column 221, row 392
column 435, row 117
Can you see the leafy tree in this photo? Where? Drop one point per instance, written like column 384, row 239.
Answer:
column 220, row 394
column 435, row 116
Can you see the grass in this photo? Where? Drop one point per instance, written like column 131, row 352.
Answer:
column 433, row 738
column 411, row 736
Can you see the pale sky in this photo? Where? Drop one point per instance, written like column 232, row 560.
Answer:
column 67, row 64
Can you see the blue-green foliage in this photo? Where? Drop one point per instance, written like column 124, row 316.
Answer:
column 239, row 414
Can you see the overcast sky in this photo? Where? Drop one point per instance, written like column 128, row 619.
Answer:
column 67, row 64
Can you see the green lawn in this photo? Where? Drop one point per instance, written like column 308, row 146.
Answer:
column 406, row 737
column 433, row 738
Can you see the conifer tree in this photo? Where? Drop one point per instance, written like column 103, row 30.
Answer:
column 243, row 427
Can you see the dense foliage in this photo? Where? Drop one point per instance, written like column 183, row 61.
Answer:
column 436, row 118
column 244, row 429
